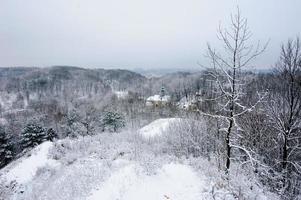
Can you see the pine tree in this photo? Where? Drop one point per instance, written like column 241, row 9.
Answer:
column 6, row 149
column 113, row 121
column 32, row 135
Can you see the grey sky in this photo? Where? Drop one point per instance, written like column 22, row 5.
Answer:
column 133, row 33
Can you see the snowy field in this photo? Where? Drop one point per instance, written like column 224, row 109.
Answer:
column 121, row 166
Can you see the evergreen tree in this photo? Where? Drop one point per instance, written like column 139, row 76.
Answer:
column 32, row 135
column 6, row 149
column 113, row 121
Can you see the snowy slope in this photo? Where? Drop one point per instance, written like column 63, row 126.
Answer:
column 103, row 167
column 172, row 181
column 157, row 127
column 25, row 169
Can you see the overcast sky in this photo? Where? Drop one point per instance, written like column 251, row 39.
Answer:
column 133, row 33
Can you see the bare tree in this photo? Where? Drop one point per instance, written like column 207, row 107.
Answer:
column 226, row 69
column 285, row 109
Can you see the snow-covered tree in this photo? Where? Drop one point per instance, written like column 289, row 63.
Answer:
column 284, row 111
column 183, row 138
column 226, row 69
column 32, row 135
column 73, row 126
column 90, row 119
column 113, row 121
column 6, row 148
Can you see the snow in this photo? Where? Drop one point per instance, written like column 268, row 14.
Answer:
column 103, row 167
column 6, row 100
column 121, row 94
column 3, row 121
column 26, row 169
column 185, row 103
column 172, row 181
column 156, row 97
column 157, row 127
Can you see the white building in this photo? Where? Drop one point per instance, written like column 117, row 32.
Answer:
column 158, row 100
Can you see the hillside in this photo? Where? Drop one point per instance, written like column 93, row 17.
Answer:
column 120, row 166
column 32, row 78
column 23, row 86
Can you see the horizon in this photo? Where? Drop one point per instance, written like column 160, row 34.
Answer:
column 145, row 72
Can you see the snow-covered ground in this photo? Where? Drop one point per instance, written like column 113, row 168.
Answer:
column 26, row 168
column 121, row 166
column 157, row 127
column 172, row 181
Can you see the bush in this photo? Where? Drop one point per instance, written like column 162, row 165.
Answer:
column 187, row 138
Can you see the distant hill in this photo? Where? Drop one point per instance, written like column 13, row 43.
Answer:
column 31, row 78
column 158, row 72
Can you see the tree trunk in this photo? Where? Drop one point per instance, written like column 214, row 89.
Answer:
column 285, row 153
column 228, row 147
column 284, row 160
